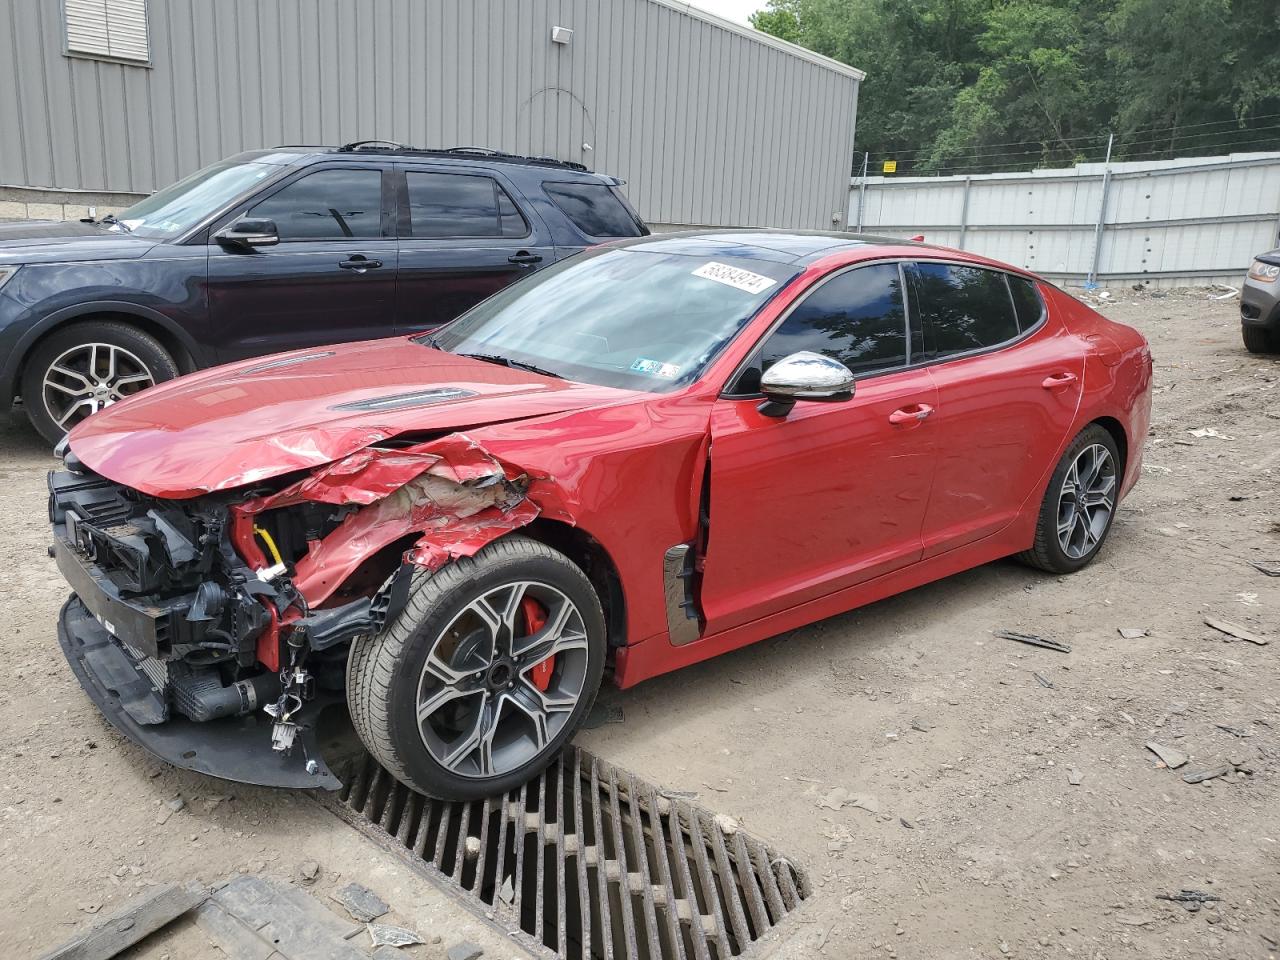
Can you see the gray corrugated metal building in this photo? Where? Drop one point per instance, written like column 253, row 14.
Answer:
column 708, row 121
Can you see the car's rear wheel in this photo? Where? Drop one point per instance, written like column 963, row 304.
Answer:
column 1260, row 340
column 486, row 673
column 1079, row 505
column 78, row 370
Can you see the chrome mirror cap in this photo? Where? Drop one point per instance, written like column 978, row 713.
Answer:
column 807, row 376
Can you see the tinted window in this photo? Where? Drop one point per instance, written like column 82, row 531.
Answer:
column 457, row 205
column 1026, row 301
column 593, row 208
column 963, row 308
column 855, row 317
column 327, row 204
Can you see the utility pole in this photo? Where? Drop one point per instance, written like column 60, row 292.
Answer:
column 1092, row 282
column 862, row 188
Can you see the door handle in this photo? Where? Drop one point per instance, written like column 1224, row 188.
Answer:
column 1058, row 380
column 359, row 263
column 525, row 259
column 914, row 413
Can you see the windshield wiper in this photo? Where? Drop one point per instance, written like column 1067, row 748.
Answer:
column 112, row 220
column 515, row 364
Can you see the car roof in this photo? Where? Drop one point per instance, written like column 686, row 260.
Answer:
column 799, row 247
column 291, row 154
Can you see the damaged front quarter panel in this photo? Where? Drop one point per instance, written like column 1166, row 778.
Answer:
column 451, row 491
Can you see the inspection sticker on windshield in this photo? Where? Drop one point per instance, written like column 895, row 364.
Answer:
column 655, row 368
column 734, row 277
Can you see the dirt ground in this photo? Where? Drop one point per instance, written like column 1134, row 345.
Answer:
column 978, row 844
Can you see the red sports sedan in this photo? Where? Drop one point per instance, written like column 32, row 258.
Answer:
column 644, row 456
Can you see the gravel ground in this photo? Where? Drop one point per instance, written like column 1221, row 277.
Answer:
column 968, row 747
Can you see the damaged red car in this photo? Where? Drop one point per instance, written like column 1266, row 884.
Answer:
column 649, row 454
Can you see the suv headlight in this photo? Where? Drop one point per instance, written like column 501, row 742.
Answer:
column 6, row 273
column 1262, row 272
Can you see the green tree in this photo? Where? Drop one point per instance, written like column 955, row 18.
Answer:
column 1039, row 95
column 996, row 84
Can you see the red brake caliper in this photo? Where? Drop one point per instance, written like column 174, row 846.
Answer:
column 535, row 618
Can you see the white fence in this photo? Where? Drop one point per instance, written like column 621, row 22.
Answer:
column 1168, row 223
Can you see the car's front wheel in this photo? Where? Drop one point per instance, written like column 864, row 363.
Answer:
column 1079, row 505
column 80, row 369
column 484, row 675
column 1260, row 339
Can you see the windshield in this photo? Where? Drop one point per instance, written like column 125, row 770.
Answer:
column 177, row 208
column 633, row 318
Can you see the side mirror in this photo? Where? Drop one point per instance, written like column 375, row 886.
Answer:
column 247, row 233
column 804, row 376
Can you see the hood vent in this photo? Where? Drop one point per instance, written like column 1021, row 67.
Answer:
column 287, row 362
column 399, row 401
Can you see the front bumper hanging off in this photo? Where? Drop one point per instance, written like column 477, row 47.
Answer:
column 232, row 748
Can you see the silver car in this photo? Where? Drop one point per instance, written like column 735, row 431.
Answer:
column 1260, row 304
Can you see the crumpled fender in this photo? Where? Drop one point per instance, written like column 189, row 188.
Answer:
column 452, row 491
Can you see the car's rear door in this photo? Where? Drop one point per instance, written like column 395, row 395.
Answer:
column 834, row 493
column 464, row 235
column 330, row 279
column 1009, row 378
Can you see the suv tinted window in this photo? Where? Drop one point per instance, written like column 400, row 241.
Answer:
column 855, row 317
column 327, row 205
column 461, row 205
column 1026, row 302
column 962, row 308
column 593, row 208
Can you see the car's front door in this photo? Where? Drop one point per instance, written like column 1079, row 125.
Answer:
column 462, row 238
column 331, row 278
column 1009, row 381
column 834, row 493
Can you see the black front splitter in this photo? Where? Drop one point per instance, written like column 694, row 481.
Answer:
column 233, row 748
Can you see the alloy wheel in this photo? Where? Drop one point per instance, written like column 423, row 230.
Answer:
column 1086, row 501
column 502, row 679
column 88, row 377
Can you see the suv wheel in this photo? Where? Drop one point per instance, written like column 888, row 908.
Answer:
column 1260, row 340
column 1079, row 505
column 485, row 674
column 87, row 366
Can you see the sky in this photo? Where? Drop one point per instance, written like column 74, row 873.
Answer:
column 736, row 10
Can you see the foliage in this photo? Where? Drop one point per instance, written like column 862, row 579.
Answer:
column 971, row 85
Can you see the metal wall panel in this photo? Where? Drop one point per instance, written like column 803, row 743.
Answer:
column 707, row 125
column 1166, row 221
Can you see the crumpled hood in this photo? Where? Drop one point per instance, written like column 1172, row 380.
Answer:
column 250, row 421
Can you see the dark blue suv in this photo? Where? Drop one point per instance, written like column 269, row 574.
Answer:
column 272, row 250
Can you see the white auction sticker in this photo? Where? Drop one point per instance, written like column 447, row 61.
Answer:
column 734, row 277
column 656, row 368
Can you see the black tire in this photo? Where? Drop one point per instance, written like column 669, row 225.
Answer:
column 151, row 357
column 383, row 671
column 1047, row 552
column 1260, row 340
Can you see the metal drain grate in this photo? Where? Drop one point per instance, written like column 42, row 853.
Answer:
column 586, row 861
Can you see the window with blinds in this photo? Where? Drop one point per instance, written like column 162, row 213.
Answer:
column 108, row 28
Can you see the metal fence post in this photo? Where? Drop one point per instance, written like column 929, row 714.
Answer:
column 1102, row 216
column 964, row 212
column 862, row 189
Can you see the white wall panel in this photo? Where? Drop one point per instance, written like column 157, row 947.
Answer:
column 1189, row 219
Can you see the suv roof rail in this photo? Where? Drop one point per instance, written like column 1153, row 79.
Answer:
column 390, row 146
column 355, row 145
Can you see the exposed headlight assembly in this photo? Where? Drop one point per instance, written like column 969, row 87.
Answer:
column 6, row 273
column 1262, row 272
